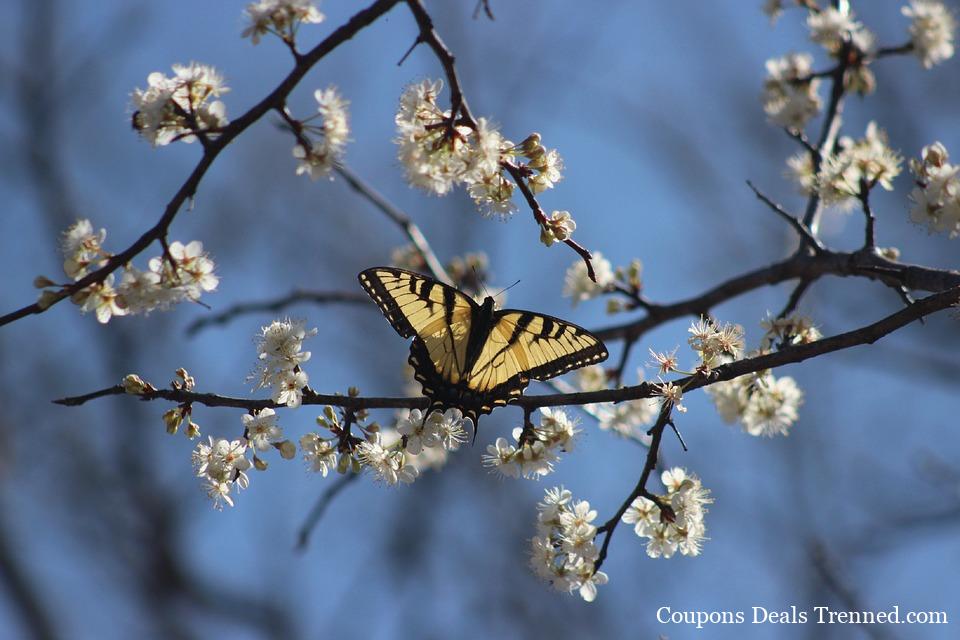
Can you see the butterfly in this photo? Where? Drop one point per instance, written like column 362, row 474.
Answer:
column 471, row 356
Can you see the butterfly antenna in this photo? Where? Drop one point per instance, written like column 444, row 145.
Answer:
column 476, row 276
column 507, row 288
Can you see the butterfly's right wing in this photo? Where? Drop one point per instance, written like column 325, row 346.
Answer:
column 436, row 314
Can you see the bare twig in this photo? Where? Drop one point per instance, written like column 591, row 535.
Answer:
column 869, row 240
column 320, row 507
column 641, row 489
column 399, row 218
column 276, row 304
column 806, row 236
column 188, row 189
column 794, row 300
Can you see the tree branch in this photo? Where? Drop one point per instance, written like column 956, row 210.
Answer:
column 865, row 264
column 276, row 304
column 402, row 220
column 805, row 234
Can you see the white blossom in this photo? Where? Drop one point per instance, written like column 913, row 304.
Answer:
column 176, row 108
column 936, row 198
column 790, row 95
column 81, row 248
column 261, row 429
column 387, row 463
column 319, row 453
column 222, row 464
column 557, row 228
column 102, row 299
column 577, row 283
column 564, row 551
column 763, row 404
column 684, row 528
column 280, row 17
column 868, row 159
column 932, row 30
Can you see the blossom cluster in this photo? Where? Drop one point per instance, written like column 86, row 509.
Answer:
column 676, row 523
column 439, row 151
column 536, row 450
column 932, row 28
column 563, row 551
column 280, row 354
column 185, row 272
column 788, row 331
column 936, row 198
column 763, row 404
column 577, row 284
column 222, row 465
column 418, row 442
column 714, row 343
column 790, row 94
column 180, row 107
column 332, row 135
column 279, row 17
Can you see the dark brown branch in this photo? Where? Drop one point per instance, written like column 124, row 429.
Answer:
column 650, row 464
column 790, row 355
column 865, row 264
column 794, row 300
column 828, row 136
column 541, row 217
column 429, row 36
column 869, row 240
column 805, row 234
column 188, row 190
column 321, row 506
column 399, row 218
column 276, row 304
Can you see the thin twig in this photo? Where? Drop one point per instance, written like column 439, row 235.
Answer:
column 398, row 217
column 806, row 236
column 276, row 304
column 795, row 297
column 320, row 507
column 650, row 464
column 869, row 240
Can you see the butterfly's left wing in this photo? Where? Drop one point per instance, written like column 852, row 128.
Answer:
column 523, row 345
column 437, row 315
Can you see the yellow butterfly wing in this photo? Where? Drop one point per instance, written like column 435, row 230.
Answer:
column 417, row 306
column 522, row 345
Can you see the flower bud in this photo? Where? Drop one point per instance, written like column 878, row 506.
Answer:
column 173, row 419
column 287, row 449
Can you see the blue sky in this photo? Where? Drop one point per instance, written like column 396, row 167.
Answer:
column 654, row 107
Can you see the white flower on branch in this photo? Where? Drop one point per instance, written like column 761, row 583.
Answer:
column 319, row 453
column 790, row 95
column 333, row 133
column 763, row 404
column 563, row 552
column 868, row 159
column 222, row 464
column 81, row 248
column 177, row 108
column 280, row 17
column 540, row 449
column 261, row 429
column 387, row 463
column 789, row 331
column 831, row 27
column 932, row 28
column 682, row 528
column 800, row 170
column 102, row 299
column 577, row 283
column 280, row 354
column 557, row 228
column 936, row 198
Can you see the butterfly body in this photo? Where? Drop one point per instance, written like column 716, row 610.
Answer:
column 472, row 356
